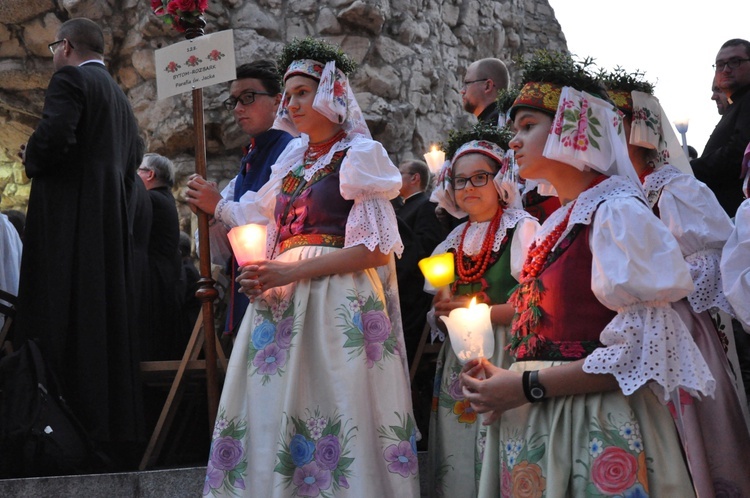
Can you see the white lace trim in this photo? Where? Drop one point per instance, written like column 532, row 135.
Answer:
column 476, row 233
column 587, row 203
column 660, row 177
column 706, row 275
column 372, row 222
column 646, row 343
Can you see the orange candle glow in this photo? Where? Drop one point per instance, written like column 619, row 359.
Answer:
column 248, row 243
column 438, row 269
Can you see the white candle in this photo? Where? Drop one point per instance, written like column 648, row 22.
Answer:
column 248, row 243
column 435, row 159
column 470, row 330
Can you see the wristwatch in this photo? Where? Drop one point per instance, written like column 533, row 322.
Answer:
column 532, row 388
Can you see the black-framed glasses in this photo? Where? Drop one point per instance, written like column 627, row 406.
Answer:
column 467, row 83
column 245, row 98
column 54, row 45
column 478, row 180
column 732, row 63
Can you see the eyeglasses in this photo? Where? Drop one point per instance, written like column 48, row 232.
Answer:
column 141, row 168
column 478, row 180
column 467, row 83
column 246, row 98
column 733, row 63
column 54, row 45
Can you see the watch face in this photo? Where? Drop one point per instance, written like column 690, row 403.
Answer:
column 537, row 392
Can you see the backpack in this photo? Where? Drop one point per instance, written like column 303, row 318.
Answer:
column 39, row 434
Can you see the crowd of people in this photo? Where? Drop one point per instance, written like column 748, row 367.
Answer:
column 615, row 270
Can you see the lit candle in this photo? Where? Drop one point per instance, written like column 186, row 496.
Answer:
column 438, row 269
column 248, row 243
column 470, row 330
column 435, row 159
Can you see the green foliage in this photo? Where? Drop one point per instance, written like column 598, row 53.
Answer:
column 317, row 50
column 545, row 66
column 506, row 97
column 620, row 79
column 480, row 131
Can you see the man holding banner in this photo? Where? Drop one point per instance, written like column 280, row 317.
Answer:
column 254, row 99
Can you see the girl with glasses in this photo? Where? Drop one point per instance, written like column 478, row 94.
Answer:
column 486, row 249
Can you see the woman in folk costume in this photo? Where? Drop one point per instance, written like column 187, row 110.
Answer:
column 485, row 248
column 538, row 198
column 714, row 430
column 316, row 400
column 735, row 257
column 598, row 347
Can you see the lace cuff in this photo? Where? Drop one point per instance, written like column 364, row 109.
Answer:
column 706, row 275
column 372, row 222
column 648, row 342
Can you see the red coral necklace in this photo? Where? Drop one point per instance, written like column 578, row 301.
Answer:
column 316, row 151
column 473, row 269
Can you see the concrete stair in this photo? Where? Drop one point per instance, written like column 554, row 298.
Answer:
column 171, row 483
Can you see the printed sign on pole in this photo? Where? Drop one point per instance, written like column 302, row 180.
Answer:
column 197, row 63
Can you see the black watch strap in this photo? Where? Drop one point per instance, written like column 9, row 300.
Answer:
column 532, row 388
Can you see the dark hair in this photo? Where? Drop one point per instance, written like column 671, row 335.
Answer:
column 738, row 41
column 420, row 167
column 84, row 34
column 263, row 70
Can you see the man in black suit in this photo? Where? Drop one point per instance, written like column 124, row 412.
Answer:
column 162, row 341
column 720, row 165
column 424, row 233
column 75, row 289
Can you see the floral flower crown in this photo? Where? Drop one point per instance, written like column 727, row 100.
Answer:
column 544, row 76
column 620, row 84
column 179, row 13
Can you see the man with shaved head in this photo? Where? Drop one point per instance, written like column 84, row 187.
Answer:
column 483, row 80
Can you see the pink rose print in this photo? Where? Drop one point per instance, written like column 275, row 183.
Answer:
column 614, row 470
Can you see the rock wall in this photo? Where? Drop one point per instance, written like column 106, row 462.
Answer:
column 412, row 56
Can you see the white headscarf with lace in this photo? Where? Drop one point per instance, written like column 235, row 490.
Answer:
column 334, row 98
column 588, row 134
column 651, row 129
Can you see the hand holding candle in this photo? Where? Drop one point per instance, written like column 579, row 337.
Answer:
column 248, row 243
column 470, row 330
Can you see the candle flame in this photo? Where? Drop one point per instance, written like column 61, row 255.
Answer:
column 473, row 302
column 434, row 148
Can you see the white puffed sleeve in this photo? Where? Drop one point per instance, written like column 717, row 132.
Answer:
column 522, row 238
column 735, row 266
column 638, row 270
column 370, row 179
column 701, row 226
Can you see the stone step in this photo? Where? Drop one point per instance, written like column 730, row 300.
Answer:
column 170, row 483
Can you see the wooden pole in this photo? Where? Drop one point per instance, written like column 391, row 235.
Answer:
column 207, row 292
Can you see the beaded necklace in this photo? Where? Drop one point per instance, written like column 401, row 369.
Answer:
column 472, row 268
column 526, row 296
column 316, row 151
